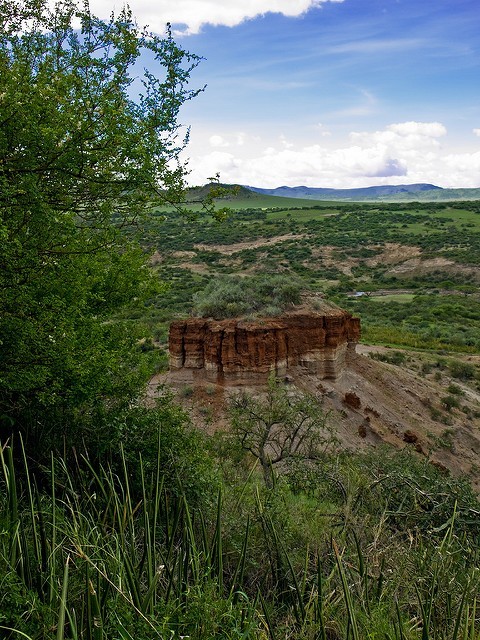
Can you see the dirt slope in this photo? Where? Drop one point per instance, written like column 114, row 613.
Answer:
column 374, row 402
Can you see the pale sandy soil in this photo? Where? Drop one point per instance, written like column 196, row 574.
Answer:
column 229, row 249
column 393, row 253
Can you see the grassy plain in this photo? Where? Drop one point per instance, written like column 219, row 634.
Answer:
column 424, row 258
column 394, row 297
column 245, row 200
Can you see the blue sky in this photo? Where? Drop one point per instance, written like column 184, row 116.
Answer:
column 344, row 93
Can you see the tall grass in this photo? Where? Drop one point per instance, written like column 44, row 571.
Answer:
column 101, row 562
column 84, row 557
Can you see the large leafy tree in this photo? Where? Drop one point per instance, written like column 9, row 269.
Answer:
column 89, row 144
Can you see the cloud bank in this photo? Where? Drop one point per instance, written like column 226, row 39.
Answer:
column 189, row 16
column 406, row 152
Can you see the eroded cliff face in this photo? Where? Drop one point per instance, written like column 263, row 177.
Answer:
column 238, row 351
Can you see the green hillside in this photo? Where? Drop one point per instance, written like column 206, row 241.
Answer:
column 384, row 193
column 435, row 195
column 240, row 198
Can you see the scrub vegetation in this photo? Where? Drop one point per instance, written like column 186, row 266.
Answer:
column 411, row 270
column 173, row 541
column 256, row 296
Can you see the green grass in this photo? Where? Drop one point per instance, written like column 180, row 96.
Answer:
column 268, row 202
column 461, row 216
column 394, row 297
column 304, row 214
column 450, row 216
column 382, row 546
column 414, row 229
column 391, row 337
column 256, row 201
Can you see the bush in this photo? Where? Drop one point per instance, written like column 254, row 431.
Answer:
column 230, row 297
column 396, row 357
column 450, row 402
column 163, row 435
column 455, row 390
column 462, row 370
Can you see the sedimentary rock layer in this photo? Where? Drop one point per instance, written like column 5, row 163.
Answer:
column 240, row 351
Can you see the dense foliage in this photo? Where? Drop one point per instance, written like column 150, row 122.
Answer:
column 378, row 546
column 80, row 160
column 230, row 297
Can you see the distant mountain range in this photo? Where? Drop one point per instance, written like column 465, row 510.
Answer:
column 409, row 192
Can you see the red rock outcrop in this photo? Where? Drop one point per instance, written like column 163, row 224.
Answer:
column 352, row 400
column 236, row 351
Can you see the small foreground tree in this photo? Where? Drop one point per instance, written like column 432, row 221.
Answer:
column 283, row 425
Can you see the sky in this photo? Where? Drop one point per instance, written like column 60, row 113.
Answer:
column 328, row 93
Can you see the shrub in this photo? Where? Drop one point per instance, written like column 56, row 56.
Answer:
column 163, row 433
column 426, row 368
column 229, row 296
column 396, row 357
column 462, row 370
column 450, row 402
column 455, row 390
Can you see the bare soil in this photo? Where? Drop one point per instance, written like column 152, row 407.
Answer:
column 229, row 249
column 416, row 266
column 396, row 405
column 393, row 253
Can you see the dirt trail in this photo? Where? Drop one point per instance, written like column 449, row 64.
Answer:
column 229, row 249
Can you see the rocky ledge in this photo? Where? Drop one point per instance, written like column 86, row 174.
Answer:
column 240, row 351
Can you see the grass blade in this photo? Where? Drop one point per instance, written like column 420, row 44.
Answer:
column 97, row 623
column 63, row 603
column 348, row 600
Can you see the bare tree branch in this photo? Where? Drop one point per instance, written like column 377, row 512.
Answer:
column 284, row 424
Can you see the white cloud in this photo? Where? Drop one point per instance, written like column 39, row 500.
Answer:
column 211, row 164
column 407, row 152
column 476, row 132
column 429, row 129
column 240, row 138
column 322, row 130
column 218, row 141
column 193, row 14
column 463, row 169
column 286, row 144
column 312, row 165
column 229, row 139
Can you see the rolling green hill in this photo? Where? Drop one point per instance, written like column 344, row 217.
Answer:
column 240, row 198
column 386, row 193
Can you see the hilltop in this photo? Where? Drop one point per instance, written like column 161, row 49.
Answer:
column 418, row 192
column 240, row 197
column 246, row 196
